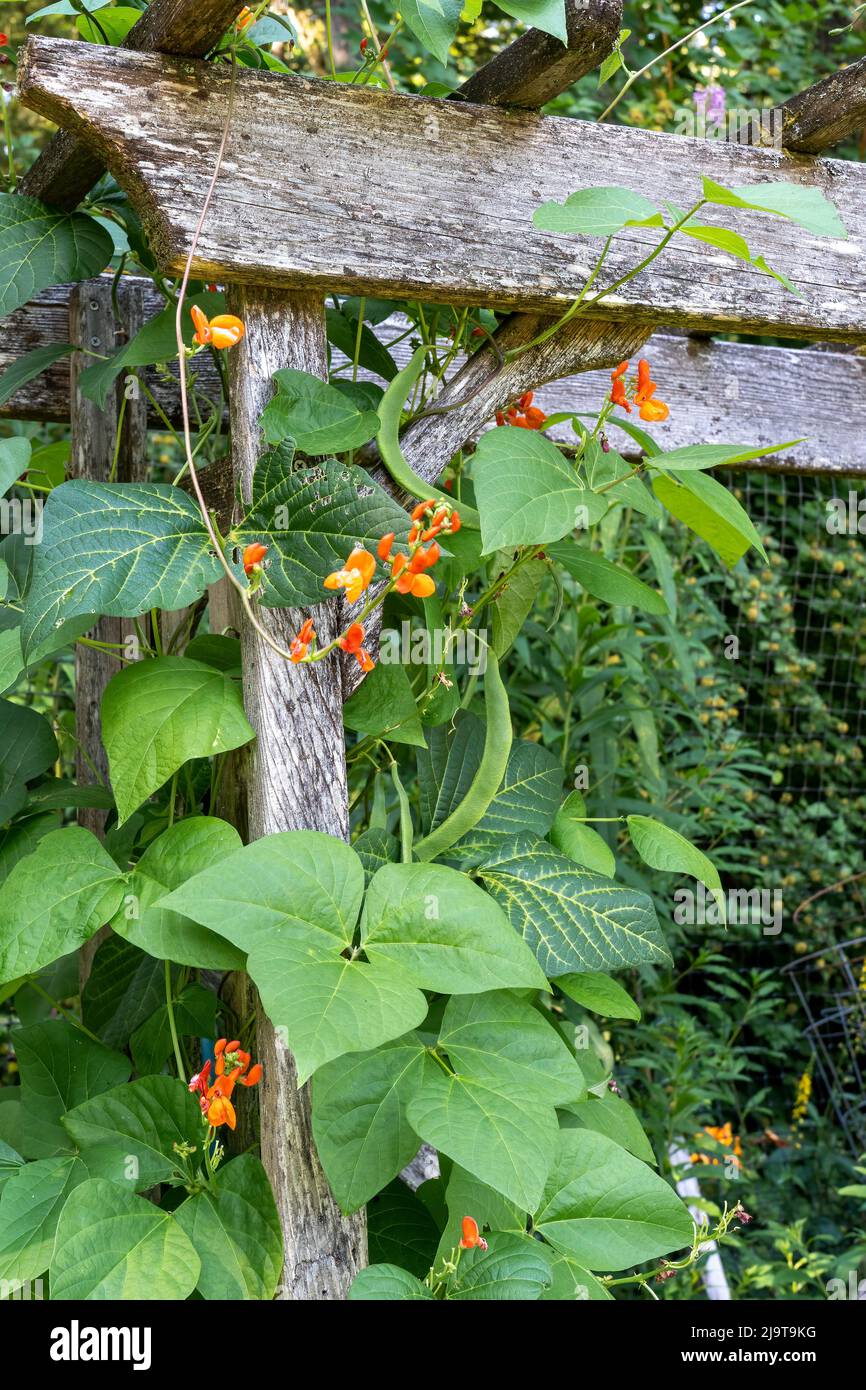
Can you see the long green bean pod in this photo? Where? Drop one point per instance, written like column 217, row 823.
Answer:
column 487, row 780
column 390, row 410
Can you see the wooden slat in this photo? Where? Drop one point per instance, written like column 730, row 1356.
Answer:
column 66, row 170
column 351, row 189
column 537, row 67
column 824, row 114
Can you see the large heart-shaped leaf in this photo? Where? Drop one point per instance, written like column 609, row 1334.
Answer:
column 117, row 549
column 319, row 418
column 310, row 519
column 39, row 248
column 513, row 1267
column 55, row 899
column 527, row 492
column 359, row 1117
column 235, row 1229
column 526, row 801
column 387, row 1283
column 60, row 1068
column 158, row 714
column 502, row 1039
column 444, row 931
column 186, row 848
column 573, row 919
column 113, row 1245
column 606, row 1209
column 127, row 1134
column 30, row 1208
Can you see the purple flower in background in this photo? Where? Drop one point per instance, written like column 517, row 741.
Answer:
column 710, row 102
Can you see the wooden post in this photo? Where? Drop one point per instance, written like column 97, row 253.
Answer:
column 95, row 328
column 295, row 780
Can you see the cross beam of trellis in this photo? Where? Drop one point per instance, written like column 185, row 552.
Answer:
column 332, row 167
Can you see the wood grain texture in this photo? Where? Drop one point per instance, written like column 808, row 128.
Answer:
column 826, row 113
column 92, row 323
column 347, row 189
column 66, row 170
column 297, row 780
column 536, row 67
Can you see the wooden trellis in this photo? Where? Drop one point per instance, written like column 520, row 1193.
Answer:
column 330, row 187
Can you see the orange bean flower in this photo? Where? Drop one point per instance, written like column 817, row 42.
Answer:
column 524, row 415
column 356, row 576
column 253, row 556
column 232, row 1066
column 301, row 644
column 352, row 642
column 222, row 331
column 649, row 409
column 472, row 1238
column 244, row 19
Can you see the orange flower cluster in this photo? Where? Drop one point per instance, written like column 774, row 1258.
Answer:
column 244, row 19
column 352, row 642
column 649, row 409
column 472, row 1238
column 253, row 556
column 301, row 644
column 222, row 331
column 232, row 1066
column 355, row 576
column 724, row 1135
column 524, row 415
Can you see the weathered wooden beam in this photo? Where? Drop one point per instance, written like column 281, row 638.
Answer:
column 536, row 67
column 66, row 170
column 824, row 114
column 335, row 186
column 296, row 780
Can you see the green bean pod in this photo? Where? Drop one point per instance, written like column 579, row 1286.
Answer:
column 390, row 410
column 487, row 780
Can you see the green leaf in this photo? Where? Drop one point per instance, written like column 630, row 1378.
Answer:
column 124, row 988
column 376, row 847
column 680, row 498
column 372, row 355
column 60, row 1068
column 570, row 1281
column 547, row 15
column 235, row 1230
column 611, row 1115
column 114, row 1245
column 696, row 456
column 606, row 1209
column 186, row 848
column 384, row 705
column 600, row 994
column 127, row 1134
column 526, row 491
column 387, row 1283
column 115, row 24
column 798, row 203
column 401, row 1230
column 30, row 1206
column 527, row 800
column 597, row 212
column 320, row 419
column 158, row 714
column 14, row 460
column 573, row 920
column 466, row 1195
column 578, row 841
column 39, row 248
column 291, row 901
column 434, row 23
column 443, row 931
column 605, row 580
column 514, row 1267
column 359, row 1118
column 297, row 880
column 55, row 899
column 501, row 1039
column 514, row 603
column 195, row 1010
column 506, row 1137
column 447, row 766
column 310, row 519
column 663, row 848
column 28, row 748
column 116, row 549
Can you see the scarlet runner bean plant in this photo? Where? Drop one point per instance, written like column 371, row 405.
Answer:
column 421, row 975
